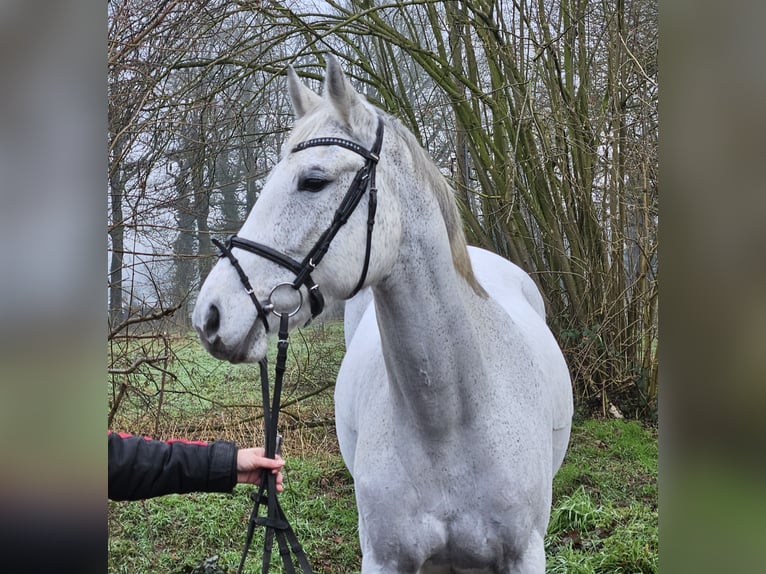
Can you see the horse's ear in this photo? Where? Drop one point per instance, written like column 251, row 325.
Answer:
column 342, row 95
column 304, row 99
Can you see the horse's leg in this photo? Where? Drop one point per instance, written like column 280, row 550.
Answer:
column 382, row 562
column 533, row 559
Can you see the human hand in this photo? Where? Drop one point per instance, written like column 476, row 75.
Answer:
column 252, row 461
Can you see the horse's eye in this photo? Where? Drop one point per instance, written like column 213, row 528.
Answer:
column 312, row 184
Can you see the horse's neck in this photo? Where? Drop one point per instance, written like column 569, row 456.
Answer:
column 429, row 342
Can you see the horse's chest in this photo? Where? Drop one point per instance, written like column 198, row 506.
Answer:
column 466, row 543
column 451, row 520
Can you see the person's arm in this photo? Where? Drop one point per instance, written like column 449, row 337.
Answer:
column 140, row 467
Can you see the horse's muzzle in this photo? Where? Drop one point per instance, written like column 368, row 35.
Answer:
column 208, row 329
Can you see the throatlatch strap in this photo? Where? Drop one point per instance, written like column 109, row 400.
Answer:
column 275, row 522
column 372, row 207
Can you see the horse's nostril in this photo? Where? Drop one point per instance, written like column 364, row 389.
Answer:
column 212, row 321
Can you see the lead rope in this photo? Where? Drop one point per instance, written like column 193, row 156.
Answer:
column 275, row 521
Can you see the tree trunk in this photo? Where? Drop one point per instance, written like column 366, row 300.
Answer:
column 117, row 238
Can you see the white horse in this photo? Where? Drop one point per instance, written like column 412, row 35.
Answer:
column 453, row 402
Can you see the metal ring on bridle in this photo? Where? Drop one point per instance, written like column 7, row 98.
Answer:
column 272, row 307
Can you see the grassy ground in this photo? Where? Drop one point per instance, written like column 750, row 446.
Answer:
column 604, row 515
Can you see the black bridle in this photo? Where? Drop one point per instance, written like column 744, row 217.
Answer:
column 363, row 181
column 275, row 522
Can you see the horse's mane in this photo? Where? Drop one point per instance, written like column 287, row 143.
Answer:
column 445, row 196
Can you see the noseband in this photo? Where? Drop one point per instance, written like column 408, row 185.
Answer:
column 363, row 181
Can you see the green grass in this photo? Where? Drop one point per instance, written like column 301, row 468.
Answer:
column 604, row 517
column 172, row 534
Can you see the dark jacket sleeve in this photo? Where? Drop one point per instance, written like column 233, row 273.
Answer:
column 140, row 467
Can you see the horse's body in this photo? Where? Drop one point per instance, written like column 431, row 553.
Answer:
column 448, row 458
column 453, row 402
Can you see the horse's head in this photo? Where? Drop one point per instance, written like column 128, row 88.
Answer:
column 292, row 250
